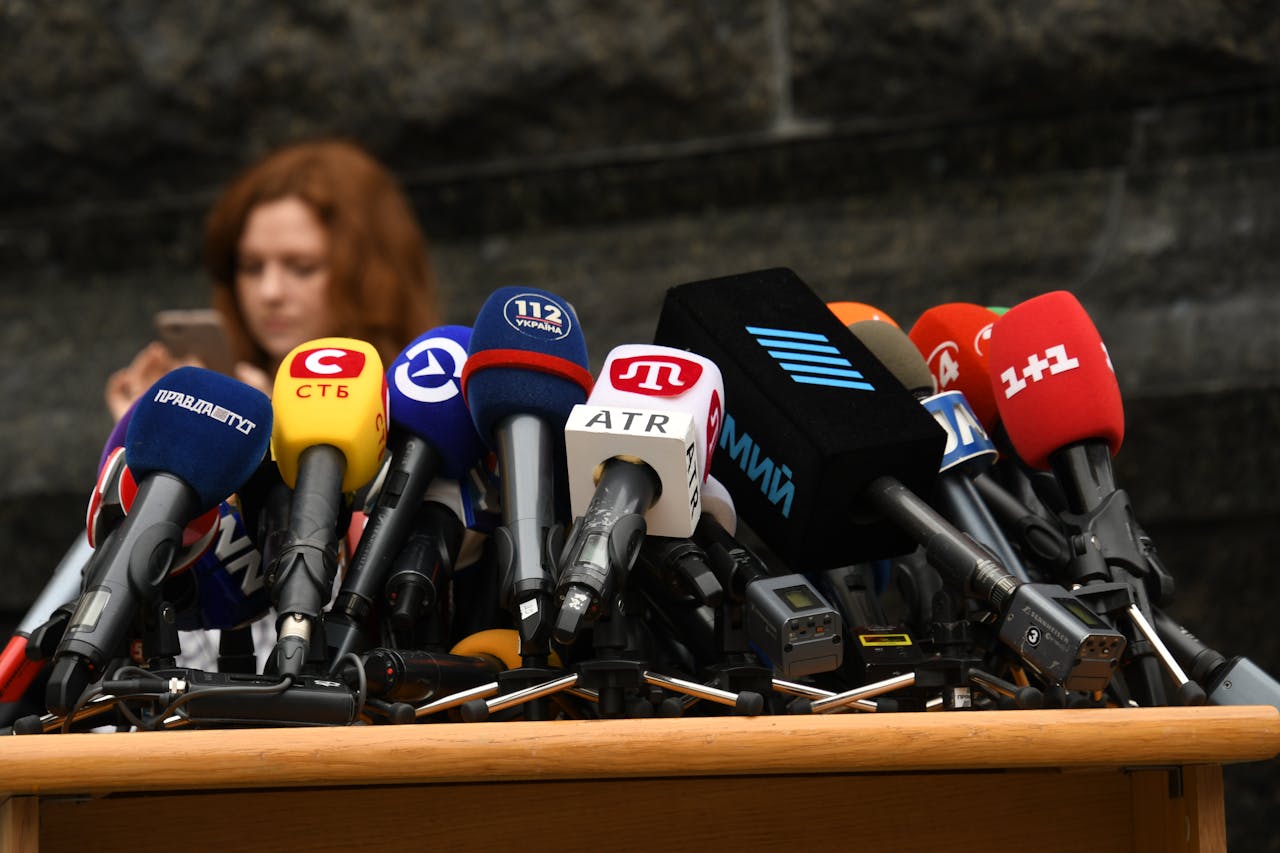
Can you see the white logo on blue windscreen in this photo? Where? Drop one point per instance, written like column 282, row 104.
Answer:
column 538, row 316
column 427, row 379
column 809, row 358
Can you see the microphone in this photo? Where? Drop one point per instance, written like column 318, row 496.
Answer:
column 106, row 512
column 330, row 432
column 1055, row 387
column 955, row 339
column 636, row 455
column 717, row 501
column 424, row 562
column 432, row 435
column 115, row 439
column 855, row 312
column 106, row 509
column 855, row 446
column 788, row 623
column 1238, row 681
column 416, row 675
column 526, row 369
column 195, row 437
column 812, row 417
column 968, row 451
column 1059, row 400
column 41, row 628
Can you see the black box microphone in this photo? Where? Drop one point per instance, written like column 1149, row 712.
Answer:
column 811, row 417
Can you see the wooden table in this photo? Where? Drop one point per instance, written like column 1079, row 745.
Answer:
column 1098, row 780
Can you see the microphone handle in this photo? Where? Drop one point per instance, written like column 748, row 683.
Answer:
column 124, row 575
column 604, row 544
column 526, row 460
column 308, row 561
column 734, row 565
column 961, row 503
column 1085, row 474
column 1238, row 681
column 963, row 562
column 1038, row 538
column 413, row 675
column 414, row 462
column 1201, row 662
column 625, row 489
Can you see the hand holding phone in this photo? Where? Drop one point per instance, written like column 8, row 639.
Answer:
column 198, row 333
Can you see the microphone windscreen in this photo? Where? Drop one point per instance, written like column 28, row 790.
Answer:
column 811, row 417
column 718, row 503
column 208, row 430
column 331, row 391
column 894, row 349
column 855, row 312
column 1053, row 378
column 527, row 356
column 116, row 439
column 425, row 384
column 644, row 376
column 955, row 340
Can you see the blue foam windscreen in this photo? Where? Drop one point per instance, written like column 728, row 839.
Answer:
column 425, row 386
column 207, row 429
column 527, row 356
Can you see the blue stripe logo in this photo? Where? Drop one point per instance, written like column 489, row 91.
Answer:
column 809, row 358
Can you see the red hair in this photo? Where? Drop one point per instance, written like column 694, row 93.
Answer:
column 381, row 285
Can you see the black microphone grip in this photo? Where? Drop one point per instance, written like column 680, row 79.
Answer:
column 301, row 577
column 122, row 577
column 1238, row 681
column 735, row 566
column 425, row 560
column 307, row 561
column 604, row 544
column 414, row 463
column 411, row 675
column 683, row 567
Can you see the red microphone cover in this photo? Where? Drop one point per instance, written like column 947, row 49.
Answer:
column 1053, row 379
column 955, row 339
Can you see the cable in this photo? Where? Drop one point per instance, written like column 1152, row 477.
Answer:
column 363, row 694
column 245, row 690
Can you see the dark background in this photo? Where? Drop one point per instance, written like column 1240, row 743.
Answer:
column 903, row 154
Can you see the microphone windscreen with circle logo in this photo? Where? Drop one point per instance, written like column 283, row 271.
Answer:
column 955, row 340
column 527, row 356
column 425, row 385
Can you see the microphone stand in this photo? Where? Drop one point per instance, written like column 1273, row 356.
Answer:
column 613, row 676
column 1116, row 568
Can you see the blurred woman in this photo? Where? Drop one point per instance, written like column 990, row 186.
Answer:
column 315, row 240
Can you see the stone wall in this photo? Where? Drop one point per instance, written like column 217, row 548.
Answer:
column 902, row 154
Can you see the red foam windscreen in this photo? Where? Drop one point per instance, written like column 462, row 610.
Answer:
column 1053, row 379
column 955, row 340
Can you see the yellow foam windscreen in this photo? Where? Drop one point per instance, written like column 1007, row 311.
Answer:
column 331, row 391
column 500, row 643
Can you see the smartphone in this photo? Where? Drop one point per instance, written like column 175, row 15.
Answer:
column 196, row 332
